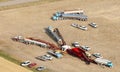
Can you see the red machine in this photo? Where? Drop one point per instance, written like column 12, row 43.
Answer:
column 79, row 53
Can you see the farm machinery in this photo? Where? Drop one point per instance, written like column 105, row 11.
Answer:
column 83, row 55
column 39, row 42
column 55, row 33
column 70, row 14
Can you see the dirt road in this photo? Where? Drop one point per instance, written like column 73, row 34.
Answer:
column 31, row 22
column 14, row 2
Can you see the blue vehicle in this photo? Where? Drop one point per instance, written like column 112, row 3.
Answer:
column 62, row 15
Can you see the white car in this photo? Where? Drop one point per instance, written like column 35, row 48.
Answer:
column 83, row 27
column 25, row 63
column 86, row 48
column 74, row 25
column 76, row 44
column 97, row 55
column 94, row 25
column 45, row 57
column 40, row 68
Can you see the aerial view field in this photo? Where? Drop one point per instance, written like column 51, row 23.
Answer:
column 32, row 21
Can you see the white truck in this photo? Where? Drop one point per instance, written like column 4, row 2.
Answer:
column 72, row 14
column 104, row 62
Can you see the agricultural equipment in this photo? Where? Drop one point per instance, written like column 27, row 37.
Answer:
column 55, row 53
column 56, row 35
column 29, row 41
column 44, row 57
column 104, row 62
column 94, row 25
column 50, row 45
column 79, row 26
column 32, row 65
column 65, row 47
column 78, row 52
column 25, row 63
column 38, row 42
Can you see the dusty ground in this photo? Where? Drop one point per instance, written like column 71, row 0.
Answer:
column 31, row 21
column 14, row 2
column 6, row 66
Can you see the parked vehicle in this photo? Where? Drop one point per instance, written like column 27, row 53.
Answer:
column 45, row 57
column 25, row 63
column 78, row 14
column 55, row 53
column 74, row 25
column 82, row 27
column 79, row 26
column 94, row 25
column 97, row 55
column 76, row 44
column 40, row 68
column 86, row 48
column 104, row 62
column 32, row 65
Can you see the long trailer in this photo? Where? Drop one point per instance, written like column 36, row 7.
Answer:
column 53, row 34
column 51, row 45
column 63, row 16
column 77, row 11
column 60, row 35
column 56, row 35
column 39, row 42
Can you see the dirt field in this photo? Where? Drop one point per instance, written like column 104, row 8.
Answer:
column 14, row 2
column 6, row 66
column 31, row 22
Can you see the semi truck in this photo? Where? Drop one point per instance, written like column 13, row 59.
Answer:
column 62, row 16
column 70, row 14
column 104, row 62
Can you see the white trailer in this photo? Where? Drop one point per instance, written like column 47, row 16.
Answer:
column 29, row 41
column 103, row 62
column 77, row 11
column 72, row 14
column 51, row 31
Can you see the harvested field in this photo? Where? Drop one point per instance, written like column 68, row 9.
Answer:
column 6, row 66
column 32, row 21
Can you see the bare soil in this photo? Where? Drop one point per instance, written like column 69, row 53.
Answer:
column 31, row 22
column 6, row 66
